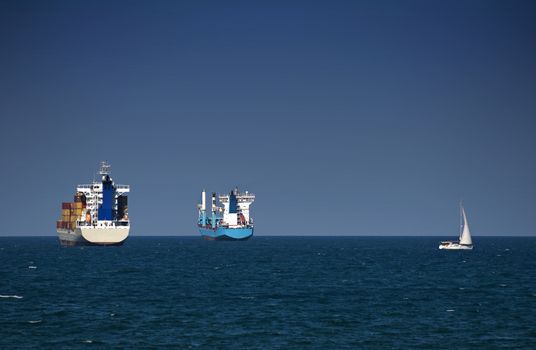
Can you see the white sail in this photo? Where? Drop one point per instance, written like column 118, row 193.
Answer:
column 465, row 236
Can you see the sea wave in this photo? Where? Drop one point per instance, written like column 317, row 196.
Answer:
column 11, row 296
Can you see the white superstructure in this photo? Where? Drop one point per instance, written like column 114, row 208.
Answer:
column 244, row 200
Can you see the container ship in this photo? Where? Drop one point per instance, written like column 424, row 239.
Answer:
column 98, row 215
column 230, row 222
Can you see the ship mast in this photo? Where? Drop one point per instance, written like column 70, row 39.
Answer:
column 104, row 168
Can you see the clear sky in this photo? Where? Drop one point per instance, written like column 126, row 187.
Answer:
column 343, row 117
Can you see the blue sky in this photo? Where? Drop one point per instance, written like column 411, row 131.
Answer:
column 358, row 117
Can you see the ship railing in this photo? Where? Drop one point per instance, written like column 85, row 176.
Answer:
column 243, row 197
column 114, row 224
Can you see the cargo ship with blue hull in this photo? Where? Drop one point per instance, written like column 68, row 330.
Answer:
column 230, row 222
column 98, row 215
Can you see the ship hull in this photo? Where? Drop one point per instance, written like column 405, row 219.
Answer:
column 105, row 236
column 226, row 234
column 455, row 246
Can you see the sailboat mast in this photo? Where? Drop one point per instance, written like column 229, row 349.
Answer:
column 461, row 220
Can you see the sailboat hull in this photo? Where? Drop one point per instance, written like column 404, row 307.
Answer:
column 455, row 246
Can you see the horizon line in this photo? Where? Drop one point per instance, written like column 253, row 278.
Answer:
column 293, row 235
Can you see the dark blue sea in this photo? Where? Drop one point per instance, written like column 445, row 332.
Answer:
column 268, row 293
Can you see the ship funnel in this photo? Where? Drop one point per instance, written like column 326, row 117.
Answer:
column 203, row 202
column 233, row 203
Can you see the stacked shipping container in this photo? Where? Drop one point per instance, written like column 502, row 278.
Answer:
column 71, row 212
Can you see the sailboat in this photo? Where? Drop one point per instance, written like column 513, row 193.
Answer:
column 465, row 241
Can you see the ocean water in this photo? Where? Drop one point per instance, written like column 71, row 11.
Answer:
column 268, row 293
